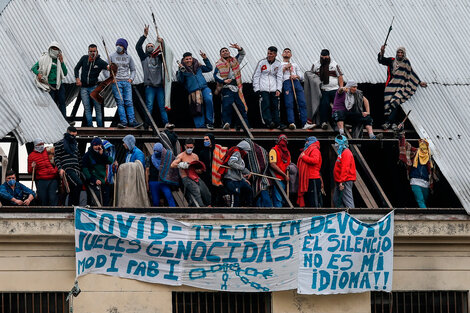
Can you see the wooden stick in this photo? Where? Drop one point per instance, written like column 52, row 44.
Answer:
column 293, row 89
column 32, row 177
column 240, row 117
column 110, row 69
column 256, row 174
column 283, row 192
column 287, row 184
column 163, row 55
column 114, row 194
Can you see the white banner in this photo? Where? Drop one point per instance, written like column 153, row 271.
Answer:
column 325, row 254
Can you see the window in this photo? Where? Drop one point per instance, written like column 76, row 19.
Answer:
column 419, row 302
column 221, row 302
column 33, row 302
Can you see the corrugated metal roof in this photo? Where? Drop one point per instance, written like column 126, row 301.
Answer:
column 433, row 31
column 441, row 114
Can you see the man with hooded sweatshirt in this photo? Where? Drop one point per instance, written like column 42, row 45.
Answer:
column 331, row 78
column 420, row 168
column 344, row 174
column 310, row 180
column 152, row 65
column 133, row 153
column 67, row 159
column 91, row 65
column 200, row 95
column 236, row 177
column 401, row 83
column 45, row 174
column 279, row 160
column 153, row 170
column 94, row 164
column 50, row 70
column 195, row 188
column 124, row 76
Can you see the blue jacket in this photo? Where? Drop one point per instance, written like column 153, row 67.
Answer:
column 135, row 154
column 191, row 81
column 21, row 192
column 420, row 172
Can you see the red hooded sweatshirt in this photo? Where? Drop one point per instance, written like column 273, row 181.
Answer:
column 345, row 167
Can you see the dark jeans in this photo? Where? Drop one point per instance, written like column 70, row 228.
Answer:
column 326, row 98
column 241, row 191
column 229, row 97
column 75, row 185
column 354, row 118
column 101, row 192
column 59, row 98
column 269, row 104
column 47, row 191
column 393, row 115
column 313, row 197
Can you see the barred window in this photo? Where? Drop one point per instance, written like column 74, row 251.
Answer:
column 221, row 302
column 420, row 302
column 33, row 302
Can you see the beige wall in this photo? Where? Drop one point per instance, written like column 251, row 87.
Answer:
column 37, row 254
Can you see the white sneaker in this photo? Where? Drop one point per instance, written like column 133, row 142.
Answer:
column 169, row 125
column 308, row 126
column 292, row 126
column 226, row 126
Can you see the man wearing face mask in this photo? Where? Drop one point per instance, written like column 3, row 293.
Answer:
column 419, row 166
column 195, row 188
column 152, row 65
column 124, row 77
column 50, row 70
column 310, row 180
column 13, row 192
column 265, row 83
column 401, row 84
column 45, row 174
column 94, row 165
column 67, row 159
column 91, row 66
column 200, row 95
column 133, row 153
column 331, row 78
column 344, row 174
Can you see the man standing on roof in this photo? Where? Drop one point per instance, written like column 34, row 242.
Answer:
column 45, row 174
column 91, row 65
column 266, row 84
column 401, row 83
column 236, row 177
column 94, row 164
column 13, row 192
column 344, row 174
column 152, row 65
column 279, row 160
column 331, row 78
column 67, row 158
column 351, row 106
column 290, row 77
column 50, row 70
column 133, row 153
column 228, row 76
column 310, row 180
column 190, row 168
column 200, row 95
column 124, row 77
column 420, row 168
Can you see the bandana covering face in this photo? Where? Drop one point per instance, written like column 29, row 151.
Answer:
column 342, row 142
column 157, row 155
column 423, row 154
column 309, row 141
column 282, row 144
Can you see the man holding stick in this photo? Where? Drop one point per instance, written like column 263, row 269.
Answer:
column 228, row 76
column 279, row 160
column 152, row 65
column 290, row 76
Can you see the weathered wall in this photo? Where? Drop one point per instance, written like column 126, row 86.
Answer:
column 37, row 254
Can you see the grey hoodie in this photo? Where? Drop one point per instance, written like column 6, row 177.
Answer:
column 129, row 140
column 237, row 165
column 126, row 66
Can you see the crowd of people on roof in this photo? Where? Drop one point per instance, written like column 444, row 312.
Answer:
column 318, row 95
column 243, row 175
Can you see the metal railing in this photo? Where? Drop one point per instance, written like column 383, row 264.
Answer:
column 33, row 302
column 221, row 302
column 420, row 302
